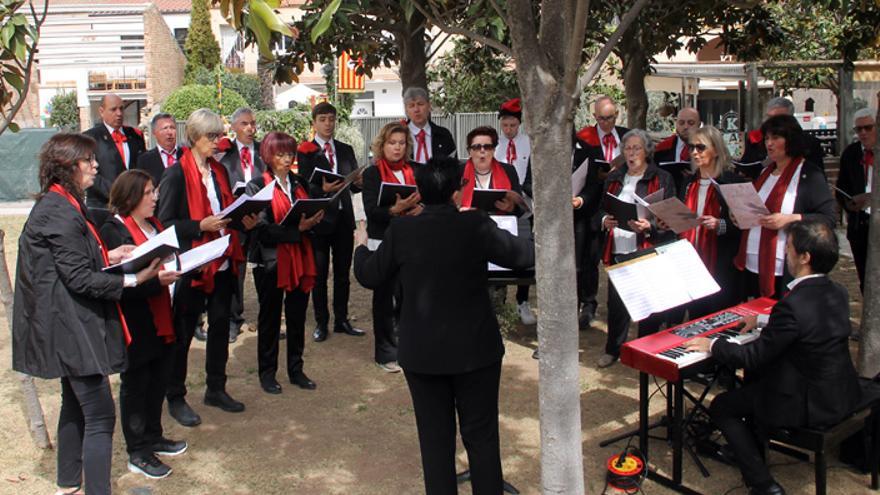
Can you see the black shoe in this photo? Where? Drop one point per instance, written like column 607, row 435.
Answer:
column 282, row 335
column 271, row 386
column 302, row 381
column 320, row 333
column 585, row 318
column 345, row 327
column 182, row 413
column 535, row 355
column 773, row 488
column 164, row 446
column 219, row 398
column 201, row 334
column 149, row 466
column 234, row 332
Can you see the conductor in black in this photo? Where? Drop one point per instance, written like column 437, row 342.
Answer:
column 450, row 347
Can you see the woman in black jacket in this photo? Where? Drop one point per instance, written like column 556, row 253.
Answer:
column 637, row 176
column 147, row 309
column 716, row 239
column 285, row 264
column 66, row 320
column 390, row 148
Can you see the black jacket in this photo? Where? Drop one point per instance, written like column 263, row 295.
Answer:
column 510, row 171
column 231, row 160
column 145, row 344
column 65, row 321
column 153, row 163
column 656, row 235
column 378, row 217
column 814, row 198
column 851, row 180
column 665, row 152
column 345, row 164
column 109, row 162
column 805, row 375
column 447, row 323
column 756, row 152
column 265, row 237
column 442, row 142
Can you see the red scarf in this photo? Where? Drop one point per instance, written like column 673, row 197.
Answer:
column 767, row 247
column 160, row 304
column 500, row 180
column 200, row 207
column 706, row 242
column 387, row 169
column 296, row 262
column 643, row 243
column 56, row 188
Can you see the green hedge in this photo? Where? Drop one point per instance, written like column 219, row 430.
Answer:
column 187, row 99
column 295, row 122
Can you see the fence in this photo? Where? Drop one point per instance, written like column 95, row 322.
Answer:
column 19, row 166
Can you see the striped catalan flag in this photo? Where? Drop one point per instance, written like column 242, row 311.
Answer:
column 348, row 80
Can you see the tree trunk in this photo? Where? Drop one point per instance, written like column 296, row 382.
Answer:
column 267, row 87
column 634, row 72
column 413, row 59
column 36, row 420
column 869, row 344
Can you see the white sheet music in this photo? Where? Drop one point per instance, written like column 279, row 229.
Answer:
column 166, row 237
column 744, row 203
column 206, row 253
column 508, row 223
column 674, row 276
column 264, row 194
column 579, row 177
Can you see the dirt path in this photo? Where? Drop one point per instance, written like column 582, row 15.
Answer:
column 356, row 433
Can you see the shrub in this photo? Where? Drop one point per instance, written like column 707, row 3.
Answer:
column 351, row 134
column 294, row 121
column 247, row 85
column 187, row 99
column 65, row 112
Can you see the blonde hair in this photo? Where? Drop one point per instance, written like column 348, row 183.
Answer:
column 201, row 123
column 711, row 137
column 385, row 133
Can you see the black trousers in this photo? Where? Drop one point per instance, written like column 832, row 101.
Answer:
column 586, row 256
column 236, row 318
column 474, row 396
column 85, row 433
column 272, row 301
column 858, row 242
column 619, row 320
column 729, row 411
column 341, row 243
column 752, row 286
column 385, row 343
column 141, row 394
column 189, row 303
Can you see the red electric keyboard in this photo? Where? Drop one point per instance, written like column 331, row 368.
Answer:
column 663, row 354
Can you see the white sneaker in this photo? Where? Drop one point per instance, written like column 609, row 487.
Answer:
column 389, row 367
column 525, row 313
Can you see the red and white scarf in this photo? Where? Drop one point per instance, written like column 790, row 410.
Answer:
column 296, row 262
column 704, row 240
column 500, row 180
column 160, row 304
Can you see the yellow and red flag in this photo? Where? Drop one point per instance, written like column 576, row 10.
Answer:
column 348, row 80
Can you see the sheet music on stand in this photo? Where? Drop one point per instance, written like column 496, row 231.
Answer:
column 671, row 276
column 508, row 223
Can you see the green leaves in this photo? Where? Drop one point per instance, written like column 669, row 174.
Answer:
column 325, row 20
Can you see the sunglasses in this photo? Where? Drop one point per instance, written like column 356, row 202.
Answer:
column 866, row 128
column 484, row 147
column 697, row 147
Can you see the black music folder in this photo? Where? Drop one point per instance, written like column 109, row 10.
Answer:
column 485, row 199
column 238, row 188
column 307, row 207
column 622, row 211
column 675, row 168
column 160, row 246
column 319, row 174
column 247, row 205
column 751, row 169
column 389, row 190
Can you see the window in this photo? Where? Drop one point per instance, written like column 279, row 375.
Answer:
column 180, row 36
column 809, row 105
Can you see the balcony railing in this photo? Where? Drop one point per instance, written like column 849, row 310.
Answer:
column 102, row 81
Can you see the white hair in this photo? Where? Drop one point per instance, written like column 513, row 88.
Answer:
column 864, row 113
column 781, row 102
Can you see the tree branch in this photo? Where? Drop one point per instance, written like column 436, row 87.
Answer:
column 443, row 26
column 10, row 114
column 497, row 8
column 597, row 62
column 576, row 46
column 438, row 46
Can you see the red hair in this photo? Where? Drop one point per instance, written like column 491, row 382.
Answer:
column 274, row 143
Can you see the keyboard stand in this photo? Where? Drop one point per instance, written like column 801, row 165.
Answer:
column 661, row 423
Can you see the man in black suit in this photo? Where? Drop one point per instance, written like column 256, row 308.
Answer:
column 166, row 153
column 450, row 348
column 800, row 369
column 754, row 150
column 675, row 147
column 242, row 161
column 118, row 148
column 856, row 171
column 429, row 139
column 334, row 233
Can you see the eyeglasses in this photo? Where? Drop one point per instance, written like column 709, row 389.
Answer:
column 484, row 147
column 213, row 136
column 607, row 118
column 633, row 149
column 866, row 128
column 697, row 147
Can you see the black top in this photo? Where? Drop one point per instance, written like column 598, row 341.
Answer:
column 345, row 164
column 266, row 235
column 64, row 319
column 851, row 180
column 378, row 217
column 510, row 171
column 668, row 155
column 153, row 163
column 656, row 235
column 232, row 162
column 442, row 142
column 145, row 344
column 109, row 162
column 447, row 322
column 805, row 375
